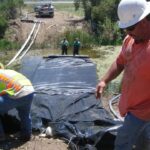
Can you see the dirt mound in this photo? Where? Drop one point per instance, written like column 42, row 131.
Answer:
column 36, row 143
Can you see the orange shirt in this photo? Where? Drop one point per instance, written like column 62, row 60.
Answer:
column 135, row 97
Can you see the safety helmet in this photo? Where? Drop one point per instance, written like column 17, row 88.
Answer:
column 131, row 12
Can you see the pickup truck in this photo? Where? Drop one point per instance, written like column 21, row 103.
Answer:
column 44, row 10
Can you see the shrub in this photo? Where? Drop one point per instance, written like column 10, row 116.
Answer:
column 7, row 45
column 87, row 40
column 3, row 26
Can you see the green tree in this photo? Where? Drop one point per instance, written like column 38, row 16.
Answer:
column 102, row 15
column 7, row 11
column 8, row 8
column 76, row 4
column 3, row 26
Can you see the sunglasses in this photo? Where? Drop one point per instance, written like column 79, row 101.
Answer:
column 131, row 28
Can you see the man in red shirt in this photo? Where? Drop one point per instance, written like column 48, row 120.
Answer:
column 134, row 60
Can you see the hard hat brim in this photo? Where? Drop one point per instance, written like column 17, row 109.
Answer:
column 126, row 25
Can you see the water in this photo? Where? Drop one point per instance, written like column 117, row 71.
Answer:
column 47, row 52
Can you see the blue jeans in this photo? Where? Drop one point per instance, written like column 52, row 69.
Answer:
column 23, row 106
column 128, row 133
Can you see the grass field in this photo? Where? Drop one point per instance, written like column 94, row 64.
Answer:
column 107, row 55
column 69, row 8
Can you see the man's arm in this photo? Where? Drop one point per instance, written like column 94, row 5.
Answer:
column 111, row 74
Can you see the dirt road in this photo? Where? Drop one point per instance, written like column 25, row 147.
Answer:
column 51, row 28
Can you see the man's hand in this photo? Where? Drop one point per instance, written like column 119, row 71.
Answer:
column 99, row 89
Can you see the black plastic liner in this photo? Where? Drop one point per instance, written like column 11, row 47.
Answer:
column 65, row 100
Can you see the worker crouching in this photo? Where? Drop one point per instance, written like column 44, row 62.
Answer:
column 16, row 91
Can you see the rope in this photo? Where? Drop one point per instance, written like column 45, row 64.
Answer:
column 23, row 46
column 31, row 42
column 112, row 101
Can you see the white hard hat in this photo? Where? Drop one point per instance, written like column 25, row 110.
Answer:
column 131, row 12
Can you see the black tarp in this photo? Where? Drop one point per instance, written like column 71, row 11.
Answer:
column 65, row 100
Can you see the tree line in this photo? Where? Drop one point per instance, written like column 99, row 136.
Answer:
column 8, row 10
column 102, row 17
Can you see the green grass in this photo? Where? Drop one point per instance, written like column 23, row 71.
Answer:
column 69, row 8
column 107, row 54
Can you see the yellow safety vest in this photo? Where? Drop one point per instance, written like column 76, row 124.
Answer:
column 11, row 82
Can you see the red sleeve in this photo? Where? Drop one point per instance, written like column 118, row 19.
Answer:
column 122, row 57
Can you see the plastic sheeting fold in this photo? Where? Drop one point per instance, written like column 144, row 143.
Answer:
column 65, row 100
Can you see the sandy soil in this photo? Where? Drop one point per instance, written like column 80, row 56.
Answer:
column 36, row 143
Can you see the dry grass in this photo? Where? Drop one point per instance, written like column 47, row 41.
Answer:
column 107, row 55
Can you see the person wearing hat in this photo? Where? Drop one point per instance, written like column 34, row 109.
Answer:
column 76, row 46
column 134, row 61
column 64, row 46
column 16, row 91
